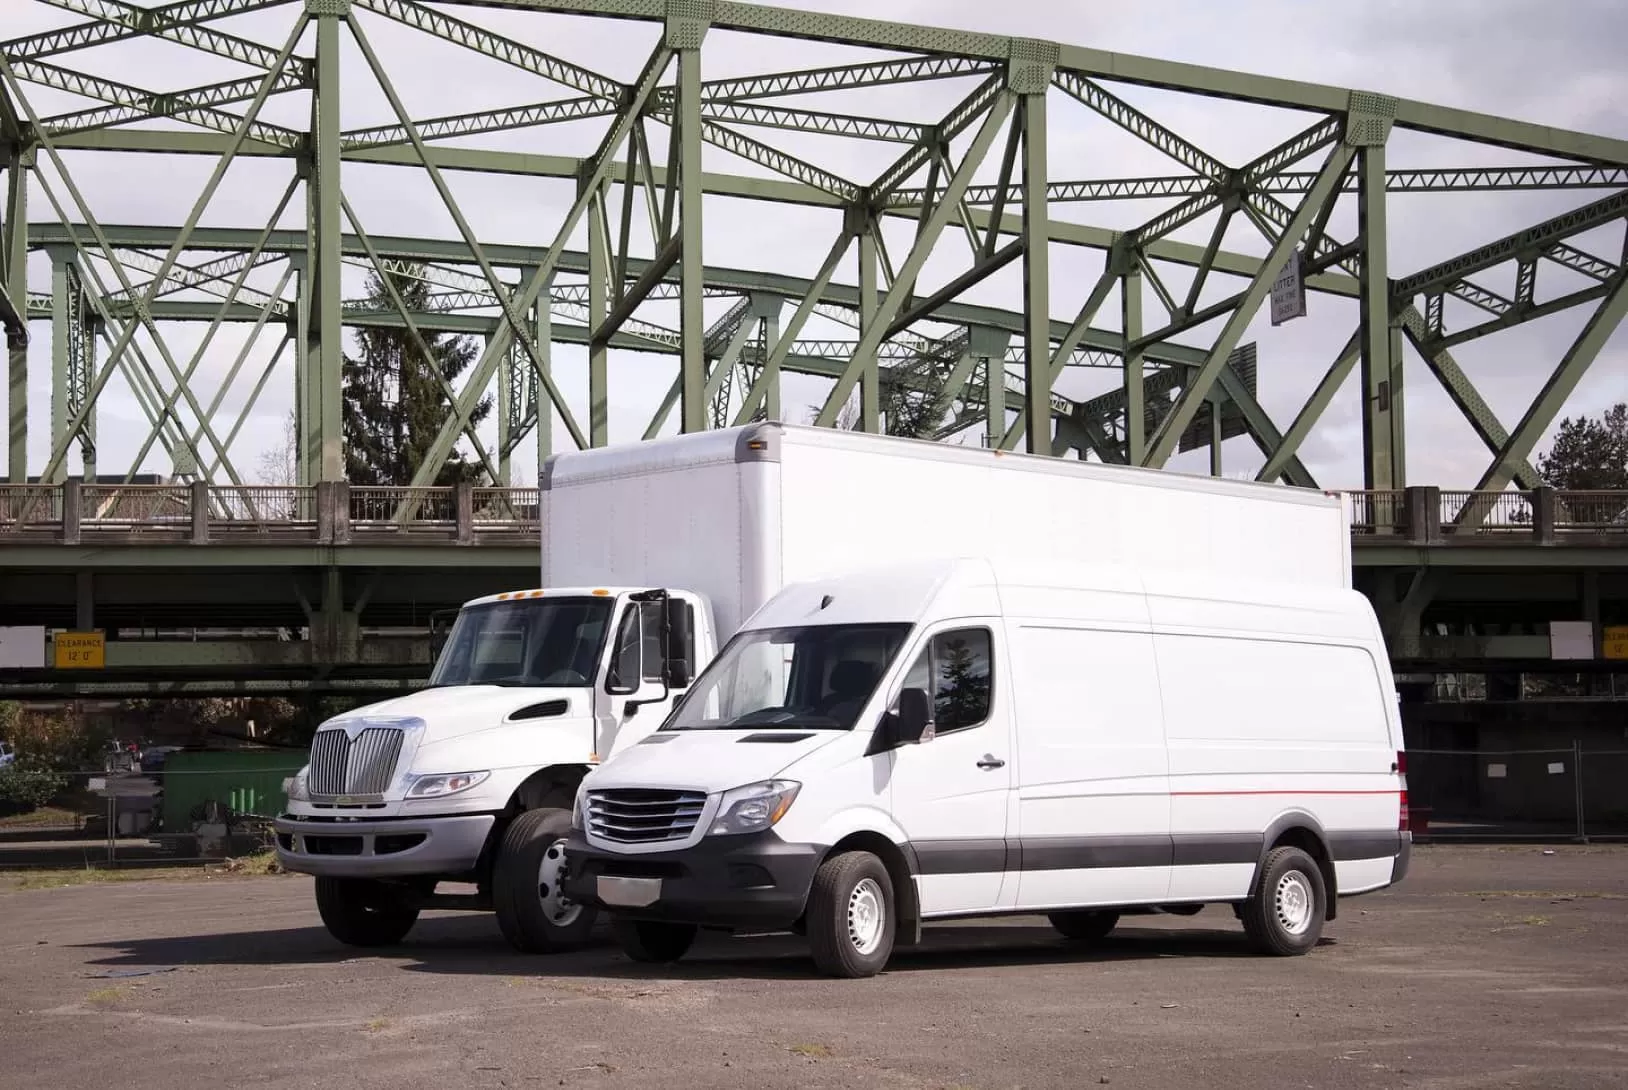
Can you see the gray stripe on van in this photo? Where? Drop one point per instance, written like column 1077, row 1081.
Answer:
column 992, row 856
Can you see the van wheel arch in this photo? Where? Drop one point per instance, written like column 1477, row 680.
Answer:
column 1300, row 830
column 901, row 870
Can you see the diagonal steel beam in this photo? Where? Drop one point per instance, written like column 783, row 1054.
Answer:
column 1163, row 442
column 595, row 171
column 890, row 305
column 1559, row 386
column 114, row 21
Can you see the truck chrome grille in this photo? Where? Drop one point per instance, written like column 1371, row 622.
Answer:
column 365, row 766
column 641, row 816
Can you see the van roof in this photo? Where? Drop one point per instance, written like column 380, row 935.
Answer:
column 971, row 586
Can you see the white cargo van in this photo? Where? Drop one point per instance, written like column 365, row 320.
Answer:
column 1185, row 704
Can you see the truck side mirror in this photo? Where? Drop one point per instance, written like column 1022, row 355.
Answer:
column 677, row 643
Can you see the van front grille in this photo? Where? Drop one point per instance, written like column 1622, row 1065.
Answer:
column 641, row 816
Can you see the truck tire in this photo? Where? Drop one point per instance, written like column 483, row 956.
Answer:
column 1087, row 925
column 364, row 912
column 851, row 915
column 1284, row 916
column 534, row 916
column 653, row 941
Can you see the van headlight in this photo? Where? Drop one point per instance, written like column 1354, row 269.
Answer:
column 755, row 807
column 579, row 809
column 435, row 787
column 296, row 787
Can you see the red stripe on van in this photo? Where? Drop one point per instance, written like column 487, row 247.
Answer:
column 1285, row 791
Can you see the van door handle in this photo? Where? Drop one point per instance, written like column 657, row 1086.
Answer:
column 991, row 762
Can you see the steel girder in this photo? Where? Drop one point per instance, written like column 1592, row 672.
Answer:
column 648, row 288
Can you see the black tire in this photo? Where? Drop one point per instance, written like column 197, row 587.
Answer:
column 1284, row 916
column 836, row 883
column 529, row 924
column 1085, row 925
column 364, row 912
column 653, row 941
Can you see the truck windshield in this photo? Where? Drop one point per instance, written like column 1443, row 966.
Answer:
column 819, row 676
column 533, row 642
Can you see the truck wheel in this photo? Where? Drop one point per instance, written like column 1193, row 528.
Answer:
column 1284, row 916
column 850, row 915
column 364, row 912
column 534, row 914
column 1085, row 926
column 653, row 940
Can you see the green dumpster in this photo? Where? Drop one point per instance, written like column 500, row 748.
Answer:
column 246, row 784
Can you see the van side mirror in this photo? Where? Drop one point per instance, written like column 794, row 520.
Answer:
column 676, row 643
column 913, row 722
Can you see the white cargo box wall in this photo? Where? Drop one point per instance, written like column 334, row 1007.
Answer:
column 737, row 513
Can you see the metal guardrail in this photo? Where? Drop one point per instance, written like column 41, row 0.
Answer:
column 339, row 513
column 1430, row 516
column 324, row 514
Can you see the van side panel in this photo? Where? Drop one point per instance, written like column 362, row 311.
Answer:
column 1093, row 813
column 1264, row 728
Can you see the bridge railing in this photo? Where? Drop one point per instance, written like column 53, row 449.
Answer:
column 332, row 513
column 1428, row 515
column 340, row 513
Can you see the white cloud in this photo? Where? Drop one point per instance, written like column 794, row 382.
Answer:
column 1552, row 64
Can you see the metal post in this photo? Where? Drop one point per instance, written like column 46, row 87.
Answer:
column 869, row 376
column 1130, row 310
column 1577, row 780
column 692, row 405
column 62, row 286
column 598, row 304
column 14, row 265
column 543, row 315
column 112, row 817
column 326, row 249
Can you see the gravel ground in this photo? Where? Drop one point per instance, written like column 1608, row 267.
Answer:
column 1489, row 967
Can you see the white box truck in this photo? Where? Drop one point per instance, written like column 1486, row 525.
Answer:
column 1019, row 685
column 653, row 554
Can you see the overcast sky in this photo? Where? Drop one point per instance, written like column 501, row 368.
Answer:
column 1557, row 64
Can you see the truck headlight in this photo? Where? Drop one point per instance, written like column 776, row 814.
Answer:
column 434, row 787
column 296, row 787
column 755, row 807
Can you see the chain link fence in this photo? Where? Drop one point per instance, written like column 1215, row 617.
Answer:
column 197, row 807
column 1538, row 794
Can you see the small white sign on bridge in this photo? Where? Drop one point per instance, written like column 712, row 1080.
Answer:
column 22, row 647
column 1289, row 290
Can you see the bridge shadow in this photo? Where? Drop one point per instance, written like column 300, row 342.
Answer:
column 471, row 946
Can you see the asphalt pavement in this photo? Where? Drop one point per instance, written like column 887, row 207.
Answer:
column 1490, row 967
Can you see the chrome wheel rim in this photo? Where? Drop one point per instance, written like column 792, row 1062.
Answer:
column 560, row 909
column 1293, row 903
column 865, row 919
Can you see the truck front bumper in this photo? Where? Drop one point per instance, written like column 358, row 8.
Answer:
column 382, row 849
column 755, row 882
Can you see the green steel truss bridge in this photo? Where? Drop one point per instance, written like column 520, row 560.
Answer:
column 971, row 263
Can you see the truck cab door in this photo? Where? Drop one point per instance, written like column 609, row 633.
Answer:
column 650, row 664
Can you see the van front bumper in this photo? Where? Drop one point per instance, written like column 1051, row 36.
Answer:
column 387, row 848
column 751, row 882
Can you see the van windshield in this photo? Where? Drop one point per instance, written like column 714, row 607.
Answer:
column 544, row 643
column 817, row 676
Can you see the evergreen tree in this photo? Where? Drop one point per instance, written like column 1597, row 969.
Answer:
column 963, row 687
column 393, row 405
column 1589, row 454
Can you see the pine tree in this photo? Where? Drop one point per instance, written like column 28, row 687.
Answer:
column 393, row 405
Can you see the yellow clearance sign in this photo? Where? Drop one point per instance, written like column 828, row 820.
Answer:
column 80, row 650
column 1616, row 642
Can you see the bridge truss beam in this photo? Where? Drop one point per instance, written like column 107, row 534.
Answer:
column 626, row 269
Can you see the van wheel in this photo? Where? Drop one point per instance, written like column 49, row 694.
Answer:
column 1284, row 916
column 850, row 915
column 1085, row 926
column 364, row 912
column 653, row 941
column 533, row 912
